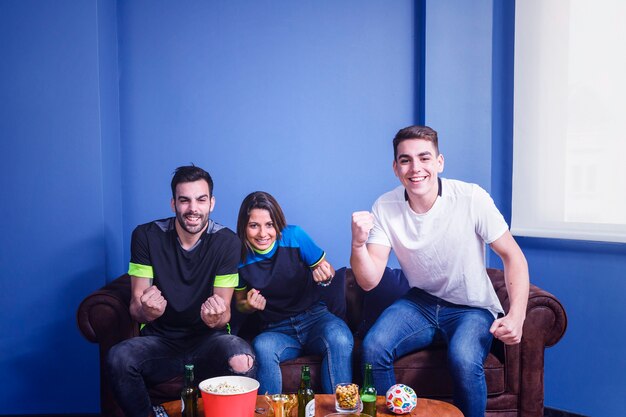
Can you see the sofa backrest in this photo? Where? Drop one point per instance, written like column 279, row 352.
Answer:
column 334, row 295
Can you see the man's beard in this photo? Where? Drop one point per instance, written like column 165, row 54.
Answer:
column 192, row 230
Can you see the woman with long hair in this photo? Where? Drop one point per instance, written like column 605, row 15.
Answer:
column 281, row 274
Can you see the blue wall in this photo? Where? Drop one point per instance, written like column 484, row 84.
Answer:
column 277, row 95
column 101, row 100
column 458, row 94
column 52, row 246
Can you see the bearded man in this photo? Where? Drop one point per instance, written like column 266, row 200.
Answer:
column 183, row 273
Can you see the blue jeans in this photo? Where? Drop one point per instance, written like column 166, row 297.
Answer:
column 414, row 322
column 315, row 331
column 136, row 363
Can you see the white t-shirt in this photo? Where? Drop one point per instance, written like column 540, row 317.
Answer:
column 443, row 251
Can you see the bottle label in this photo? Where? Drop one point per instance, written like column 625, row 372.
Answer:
column 309, row 410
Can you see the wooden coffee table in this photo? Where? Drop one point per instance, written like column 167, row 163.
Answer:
column 173, row 408
column 325, row 404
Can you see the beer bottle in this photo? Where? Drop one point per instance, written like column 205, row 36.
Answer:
column 189, row 395
column 306, row 396
column 368, row 392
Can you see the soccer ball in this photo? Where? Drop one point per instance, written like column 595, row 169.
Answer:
column 401, row 399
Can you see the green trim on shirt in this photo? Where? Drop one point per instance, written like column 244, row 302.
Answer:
column 227, row 281
column 266, row 251
column 141, row 271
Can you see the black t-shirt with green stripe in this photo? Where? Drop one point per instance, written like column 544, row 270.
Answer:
column 185, row 278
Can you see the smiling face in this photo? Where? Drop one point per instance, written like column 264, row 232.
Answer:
column 192, row 205
column 417, row 166
column 260, row 230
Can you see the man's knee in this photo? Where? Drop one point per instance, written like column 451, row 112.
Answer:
column 374, row 342
column 465, row 363
column 345, row 341
column 117, row 359
column 374, row 352
column 241, row 364
column 265, row 346
column 339, row 336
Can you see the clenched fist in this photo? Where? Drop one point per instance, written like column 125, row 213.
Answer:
column 508, row 330
column 152, row 303
column 255, row 300
column 212, row 310
column 362, row 223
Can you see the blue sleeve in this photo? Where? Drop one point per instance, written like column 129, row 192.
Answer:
column 310, row 253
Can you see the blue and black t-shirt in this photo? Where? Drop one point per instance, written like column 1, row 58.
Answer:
column 283, row 275
column 185, row 277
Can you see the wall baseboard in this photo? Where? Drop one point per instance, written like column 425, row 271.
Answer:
column 50, row 415
column 554, row 412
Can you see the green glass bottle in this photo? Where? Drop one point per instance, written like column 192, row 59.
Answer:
column 368, row 392
column 189, row 395
column 306, row 396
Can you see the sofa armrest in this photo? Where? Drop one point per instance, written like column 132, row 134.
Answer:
column 546, row 319
column 103, row 317
column 545, row 325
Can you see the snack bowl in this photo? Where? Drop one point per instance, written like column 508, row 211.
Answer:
column 347, row 398
column 226, row 396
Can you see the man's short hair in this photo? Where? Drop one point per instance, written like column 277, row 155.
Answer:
column 190, row 173
column 415, row 132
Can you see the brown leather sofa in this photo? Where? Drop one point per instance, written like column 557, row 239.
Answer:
column 514, row 373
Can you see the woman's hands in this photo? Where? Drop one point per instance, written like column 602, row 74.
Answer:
column 255, row 300
column 323, row 273
column 249, row 302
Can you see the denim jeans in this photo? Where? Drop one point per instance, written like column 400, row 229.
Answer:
column 136, row 363
column 315, row 331
column 414, row 322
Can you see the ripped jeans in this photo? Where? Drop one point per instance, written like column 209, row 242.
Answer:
column 136, row 363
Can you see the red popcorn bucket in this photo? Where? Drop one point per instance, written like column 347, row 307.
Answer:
column 226, row 396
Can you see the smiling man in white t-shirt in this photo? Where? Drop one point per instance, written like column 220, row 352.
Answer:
column 438, row 229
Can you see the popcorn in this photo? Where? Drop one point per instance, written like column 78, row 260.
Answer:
column 225, row 388
column 347, row 396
